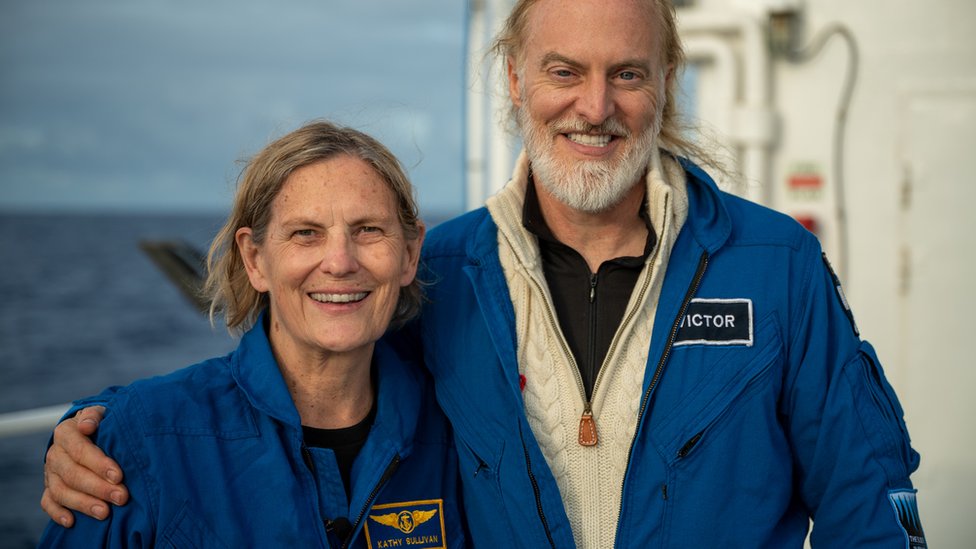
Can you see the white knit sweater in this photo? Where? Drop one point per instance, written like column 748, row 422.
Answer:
column 590, row 479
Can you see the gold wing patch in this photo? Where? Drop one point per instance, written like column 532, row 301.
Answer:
column 389, row 519
column 420, row 517
column 404, row 521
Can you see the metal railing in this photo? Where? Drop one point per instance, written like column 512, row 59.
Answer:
column 31, row 421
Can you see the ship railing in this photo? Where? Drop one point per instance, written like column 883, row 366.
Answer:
column 31, row 421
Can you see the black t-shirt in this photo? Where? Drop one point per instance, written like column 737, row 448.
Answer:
column 345, row 442
column 589, row 306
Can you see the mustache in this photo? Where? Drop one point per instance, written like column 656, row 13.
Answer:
column 610, row 126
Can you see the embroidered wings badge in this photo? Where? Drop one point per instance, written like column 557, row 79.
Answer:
column 404, row 521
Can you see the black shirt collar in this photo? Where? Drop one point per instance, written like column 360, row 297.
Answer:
column 535, row 223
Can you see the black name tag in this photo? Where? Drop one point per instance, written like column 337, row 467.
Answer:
column 716, row 322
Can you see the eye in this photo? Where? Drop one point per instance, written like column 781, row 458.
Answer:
column 561, row 74
column 304, row 233
column 369, row 231
column 628, row 75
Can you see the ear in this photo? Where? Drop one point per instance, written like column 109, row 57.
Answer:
column 412, row 256
column 251, row 257
column 514, row 90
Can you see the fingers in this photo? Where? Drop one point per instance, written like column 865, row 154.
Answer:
column 58, row 514
column 77, row 474
column 71, row 436
column 59, row 498
column 87, row 419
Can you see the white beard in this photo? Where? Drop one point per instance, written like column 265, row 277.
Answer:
column 590, row 186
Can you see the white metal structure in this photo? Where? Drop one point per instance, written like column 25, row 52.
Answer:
column 898, row 229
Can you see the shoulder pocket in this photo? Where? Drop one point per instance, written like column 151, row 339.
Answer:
column 880, row 413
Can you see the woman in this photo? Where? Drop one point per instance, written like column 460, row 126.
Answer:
column 311, row 433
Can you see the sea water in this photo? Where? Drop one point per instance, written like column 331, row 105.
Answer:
column 82, row 308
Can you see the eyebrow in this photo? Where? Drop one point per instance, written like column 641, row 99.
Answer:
column 553, row 57
column 365, row 219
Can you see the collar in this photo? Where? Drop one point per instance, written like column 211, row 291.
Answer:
column 535, row 222
column 668, row 180
column 399, row 386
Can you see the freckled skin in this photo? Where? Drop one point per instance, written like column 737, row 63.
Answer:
column 333, row 230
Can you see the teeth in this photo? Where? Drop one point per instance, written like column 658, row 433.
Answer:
column 339, row 298
column 591, row 140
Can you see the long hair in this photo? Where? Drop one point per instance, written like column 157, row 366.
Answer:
column 227, row 286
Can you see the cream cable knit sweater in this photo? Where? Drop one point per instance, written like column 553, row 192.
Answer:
column 590, row 479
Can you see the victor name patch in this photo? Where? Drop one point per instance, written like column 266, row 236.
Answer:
column 417, row 524
column 716, row 322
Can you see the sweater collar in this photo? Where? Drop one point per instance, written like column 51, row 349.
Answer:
column 666, row 181
column 535, row 222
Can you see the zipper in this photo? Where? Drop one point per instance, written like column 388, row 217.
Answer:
column 307, row 458
column 686, row 449
column 387, row 474
column 551, row 317
column 692, row 290
column 535, row 490
column 587, row 426
column 310, row 464
column 592, row 330
column 587, row 431
column 587, row 423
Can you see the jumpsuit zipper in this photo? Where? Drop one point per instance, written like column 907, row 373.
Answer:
column 692, row 290
column 310, row 464
column 535, row 490
column 387, row 474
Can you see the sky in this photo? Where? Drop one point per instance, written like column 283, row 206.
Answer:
column 151, row 105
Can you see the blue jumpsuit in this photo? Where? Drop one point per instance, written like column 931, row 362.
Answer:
column 213, row 456
column 762, row 408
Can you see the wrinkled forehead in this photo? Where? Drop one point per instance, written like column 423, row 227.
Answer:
column 344, row 181
column 611, row 29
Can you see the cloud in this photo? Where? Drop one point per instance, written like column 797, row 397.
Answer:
column 106, row 102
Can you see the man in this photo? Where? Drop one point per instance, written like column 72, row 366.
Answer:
column 629, row 356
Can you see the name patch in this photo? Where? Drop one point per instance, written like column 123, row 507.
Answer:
column 417, row 524
column 716, row 322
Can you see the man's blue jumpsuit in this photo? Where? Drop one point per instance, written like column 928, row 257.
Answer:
column 762, row 408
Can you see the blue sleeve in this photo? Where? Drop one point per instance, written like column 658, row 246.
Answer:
column 851, row 447
column 131, row 525
column 101, row 399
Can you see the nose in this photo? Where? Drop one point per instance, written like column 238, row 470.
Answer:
column 339, row 255
column 595, row 103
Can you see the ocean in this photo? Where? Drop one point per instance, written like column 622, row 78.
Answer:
column 84, row 308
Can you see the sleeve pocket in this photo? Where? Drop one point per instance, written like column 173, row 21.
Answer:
column 880, row 413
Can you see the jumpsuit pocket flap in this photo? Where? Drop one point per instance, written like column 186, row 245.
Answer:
column 187, row 530
column 881, row 415
column 731, row 373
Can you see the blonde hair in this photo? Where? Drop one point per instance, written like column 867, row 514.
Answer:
column 227, row 286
